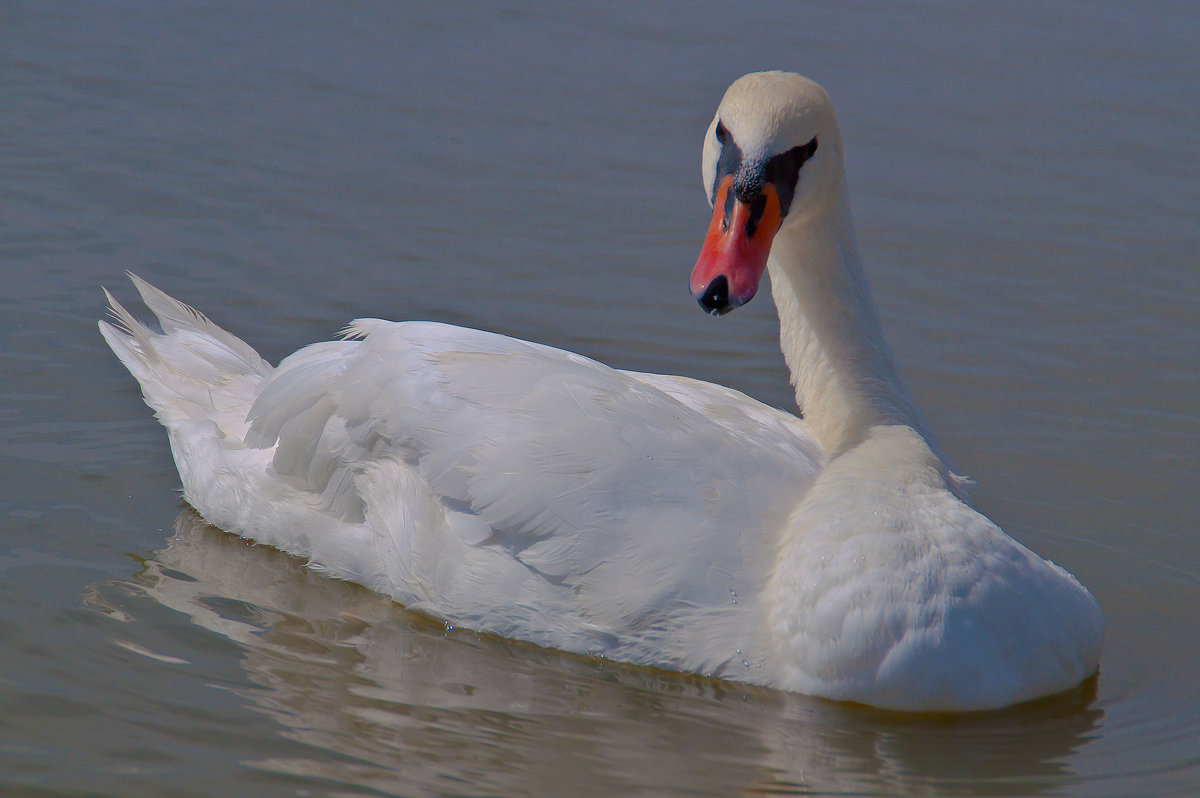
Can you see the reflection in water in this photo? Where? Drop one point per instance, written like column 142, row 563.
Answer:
column 398, row 703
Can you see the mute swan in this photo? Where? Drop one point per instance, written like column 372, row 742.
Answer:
column 512, row 488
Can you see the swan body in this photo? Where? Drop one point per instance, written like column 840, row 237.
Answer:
column 517, row 489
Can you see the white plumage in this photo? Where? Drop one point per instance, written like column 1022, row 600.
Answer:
column 522, row 490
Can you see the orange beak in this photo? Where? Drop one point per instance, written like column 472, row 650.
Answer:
column 734, row 254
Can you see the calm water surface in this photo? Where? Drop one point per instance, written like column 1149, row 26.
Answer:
column 1026, row 180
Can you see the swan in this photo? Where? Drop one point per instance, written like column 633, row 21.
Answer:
column 511, row 488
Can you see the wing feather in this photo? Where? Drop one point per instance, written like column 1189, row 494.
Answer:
column 578, row 473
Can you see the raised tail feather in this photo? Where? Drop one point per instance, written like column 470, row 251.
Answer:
column 192, row 369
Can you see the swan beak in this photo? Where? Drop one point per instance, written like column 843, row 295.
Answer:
column 734, row 254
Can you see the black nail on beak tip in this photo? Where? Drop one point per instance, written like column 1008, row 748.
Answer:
column 715, row 299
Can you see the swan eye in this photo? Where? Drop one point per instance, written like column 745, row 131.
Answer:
column 808, row 150
column 784, row 171
column 722, row 133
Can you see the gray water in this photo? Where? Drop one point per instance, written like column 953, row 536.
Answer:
column 1026, row 180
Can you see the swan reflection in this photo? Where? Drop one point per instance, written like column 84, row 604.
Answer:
column 407, row 706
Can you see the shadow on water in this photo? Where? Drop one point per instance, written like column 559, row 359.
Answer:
column 394, row 701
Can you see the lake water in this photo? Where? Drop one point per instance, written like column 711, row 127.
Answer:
column 1026, row 179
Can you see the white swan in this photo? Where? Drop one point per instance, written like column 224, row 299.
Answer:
column 513, row 488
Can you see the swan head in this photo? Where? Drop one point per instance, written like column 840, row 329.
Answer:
column 772, row 158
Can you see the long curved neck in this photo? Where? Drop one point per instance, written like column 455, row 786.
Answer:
column 845, row 379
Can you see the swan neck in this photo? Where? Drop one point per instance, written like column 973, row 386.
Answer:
column 843, row 372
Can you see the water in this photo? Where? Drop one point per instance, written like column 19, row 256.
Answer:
column 1026, row 181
